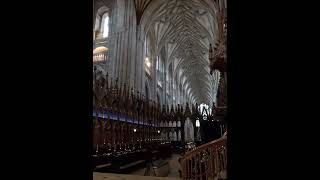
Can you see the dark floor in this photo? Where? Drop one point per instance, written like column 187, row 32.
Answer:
column 174, row 167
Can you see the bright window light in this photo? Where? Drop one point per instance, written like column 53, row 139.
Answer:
column 106, row 27
column 197, row 123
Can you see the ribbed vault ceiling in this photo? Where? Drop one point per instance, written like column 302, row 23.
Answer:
column 185, row 28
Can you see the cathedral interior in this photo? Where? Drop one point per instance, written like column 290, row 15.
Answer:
column 159, row 89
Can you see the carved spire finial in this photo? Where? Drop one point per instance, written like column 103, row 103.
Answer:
column 187, row 111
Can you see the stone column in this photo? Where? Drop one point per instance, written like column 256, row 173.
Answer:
column 139, row 66
column 126, row 61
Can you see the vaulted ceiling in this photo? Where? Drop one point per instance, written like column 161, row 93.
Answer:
column 185, row 28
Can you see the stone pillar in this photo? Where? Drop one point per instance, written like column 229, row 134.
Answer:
column 139, row 69
column 126, row 60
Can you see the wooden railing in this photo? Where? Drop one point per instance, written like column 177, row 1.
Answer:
column 100, row 57
column 206, row 162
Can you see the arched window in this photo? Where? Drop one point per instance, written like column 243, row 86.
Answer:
column 147, row 61
column 147, row 65
column 158, row 63
column 197, row 122
column 102, row 23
